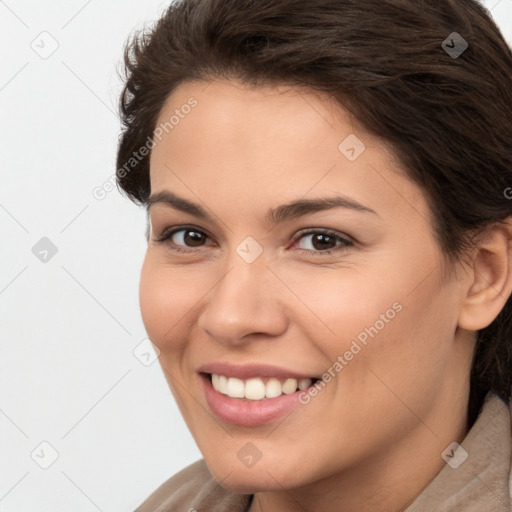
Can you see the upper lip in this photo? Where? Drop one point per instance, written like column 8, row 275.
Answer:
column 249, row 371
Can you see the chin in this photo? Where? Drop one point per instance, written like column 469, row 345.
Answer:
column 258, row 478
column 251, row 483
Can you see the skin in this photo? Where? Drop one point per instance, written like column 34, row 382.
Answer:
column 372, row 438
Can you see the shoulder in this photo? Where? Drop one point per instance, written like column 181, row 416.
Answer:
column 194, row 489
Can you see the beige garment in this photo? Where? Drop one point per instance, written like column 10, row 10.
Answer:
column 480, row 484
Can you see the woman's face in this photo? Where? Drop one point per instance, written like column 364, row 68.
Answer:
column 299, row 250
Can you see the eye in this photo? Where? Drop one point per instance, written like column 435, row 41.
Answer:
column 322, row 242
column 317, row 242
column 188, row 237
column 182, row 238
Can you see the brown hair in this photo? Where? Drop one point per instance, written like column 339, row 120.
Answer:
column 448, row 118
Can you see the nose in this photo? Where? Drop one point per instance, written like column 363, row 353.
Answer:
column 244, row 303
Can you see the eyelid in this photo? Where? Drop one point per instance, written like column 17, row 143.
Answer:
column 326, row 231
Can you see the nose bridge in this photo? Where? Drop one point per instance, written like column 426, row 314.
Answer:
column 242, row 302
column 238, row 292
column 240, row 284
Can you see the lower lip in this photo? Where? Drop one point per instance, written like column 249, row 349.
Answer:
column 248, row 413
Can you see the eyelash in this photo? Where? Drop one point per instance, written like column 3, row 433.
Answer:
column 345, row 242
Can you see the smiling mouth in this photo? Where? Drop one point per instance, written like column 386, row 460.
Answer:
column 257, row 388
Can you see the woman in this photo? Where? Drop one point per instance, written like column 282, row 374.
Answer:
column 328, row 269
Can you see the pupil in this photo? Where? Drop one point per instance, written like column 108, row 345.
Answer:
column 193, row 238
column 321, row 241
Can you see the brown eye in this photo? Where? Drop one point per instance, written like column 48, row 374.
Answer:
column 179, row 239
column 188, row 237
column 322, row 242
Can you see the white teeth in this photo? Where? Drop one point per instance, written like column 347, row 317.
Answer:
column 255, row 388
column 235, row 388
column 290, row 386
column 304, row 383
column 222, row 385
column 273, row 389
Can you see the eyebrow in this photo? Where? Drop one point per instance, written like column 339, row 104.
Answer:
column 281, row 213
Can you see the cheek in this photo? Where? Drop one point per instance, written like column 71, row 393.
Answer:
column 335, row 305
column 391, row 327
column 405, row 342
column 166, row 297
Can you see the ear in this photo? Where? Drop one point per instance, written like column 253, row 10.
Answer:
column 489, row 280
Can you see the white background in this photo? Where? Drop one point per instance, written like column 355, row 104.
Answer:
column 70, row 325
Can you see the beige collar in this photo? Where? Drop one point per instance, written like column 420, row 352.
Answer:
column 481, row 482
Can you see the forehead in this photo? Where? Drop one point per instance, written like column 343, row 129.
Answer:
column 270, row 143
column 253, row 116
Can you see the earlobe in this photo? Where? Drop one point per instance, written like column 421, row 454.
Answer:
column 489, row 283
